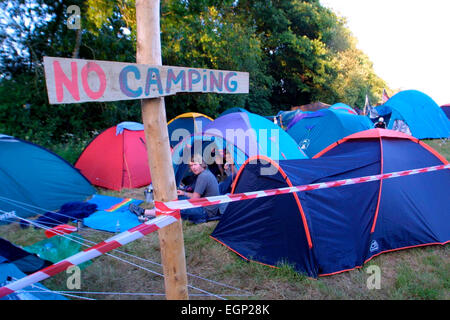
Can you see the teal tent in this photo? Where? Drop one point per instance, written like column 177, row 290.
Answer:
column 315, row 131
column 9, row 273
column 415, row 113
column 35, row 180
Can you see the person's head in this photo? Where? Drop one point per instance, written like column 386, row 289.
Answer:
column 381, row 119
column 197, row 165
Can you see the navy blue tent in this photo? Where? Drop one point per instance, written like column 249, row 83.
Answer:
column 34, row 180
column 327, row 231
column 446, row 109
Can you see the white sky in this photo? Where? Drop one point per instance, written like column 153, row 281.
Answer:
column 408, row 41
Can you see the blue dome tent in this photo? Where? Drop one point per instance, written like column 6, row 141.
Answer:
column 314, row 131
column 327, row 231
column 415, row 113
column 35, row 180
column 187, row 123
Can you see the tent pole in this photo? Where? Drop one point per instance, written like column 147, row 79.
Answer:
column 158, row 148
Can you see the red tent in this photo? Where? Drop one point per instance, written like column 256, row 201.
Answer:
column 117, row 158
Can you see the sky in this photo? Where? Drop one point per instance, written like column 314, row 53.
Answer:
column 408, row 41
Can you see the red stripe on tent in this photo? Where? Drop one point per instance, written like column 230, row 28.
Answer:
column 381, row 186
column 331, row 146
column 242, row 256
column 434, row 152
column 371, row 133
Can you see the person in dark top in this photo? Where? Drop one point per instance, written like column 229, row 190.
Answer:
column 380, row 124
column 206, row 185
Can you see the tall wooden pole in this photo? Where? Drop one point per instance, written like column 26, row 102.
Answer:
column 159, row 155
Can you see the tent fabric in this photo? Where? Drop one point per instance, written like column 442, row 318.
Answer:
column 342, row 107
column 253, row 134
column 284, row 118
column 27, row 262
column 132, row 126
column 58, row 248
column 446, row 109
column 68, row 212
column 116, row 161
column 34, row 179
column 328, row 231
column 425, row 119
column 9, row 272
column 187, row 123
column 112, row 214
column 317, row 130
column 232, row 110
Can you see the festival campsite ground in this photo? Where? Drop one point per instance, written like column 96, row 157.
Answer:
column 417, row 274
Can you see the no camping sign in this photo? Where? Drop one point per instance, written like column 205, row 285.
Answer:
column 78, row 80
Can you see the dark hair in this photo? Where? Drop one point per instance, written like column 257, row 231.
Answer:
column 199, row 159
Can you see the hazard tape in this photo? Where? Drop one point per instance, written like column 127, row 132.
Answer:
column 112, row 243
column 168, row 213
column 167, row 207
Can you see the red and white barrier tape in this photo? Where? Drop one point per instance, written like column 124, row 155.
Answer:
column 112, row 243
column 167, row 207
column 168, row 213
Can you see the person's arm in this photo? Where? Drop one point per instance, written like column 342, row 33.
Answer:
column 190, row 195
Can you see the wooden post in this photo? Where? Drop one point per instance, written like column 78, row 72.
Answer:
column 159, row 155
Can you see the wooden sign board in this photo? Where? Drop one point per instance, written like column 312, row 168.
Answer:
column 78, row 80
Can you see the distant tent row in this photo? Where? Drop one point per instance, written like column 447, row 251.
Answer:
column 117, row 161
column 327, row 231
column 314, row 131
column 244, row 134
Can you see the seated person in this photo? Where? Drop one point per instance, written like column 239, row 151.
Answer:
column 206, row 185
column 380, row 124
column 230, row 171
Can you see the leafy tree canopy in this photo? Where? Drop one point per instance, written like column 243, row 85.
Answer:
column 296, row 52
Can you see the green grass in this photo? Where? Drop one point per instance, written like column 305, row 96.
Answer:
column 414, row 274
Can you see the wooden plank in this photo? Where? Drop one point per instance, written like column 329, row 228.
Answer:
column 160, row 159
column 79, row 80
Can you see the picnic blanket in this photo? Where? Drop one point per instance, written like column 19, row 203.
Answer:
column 113, row 214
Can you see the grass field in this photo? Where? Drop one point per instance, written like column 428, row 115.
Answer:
column 416, row 274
